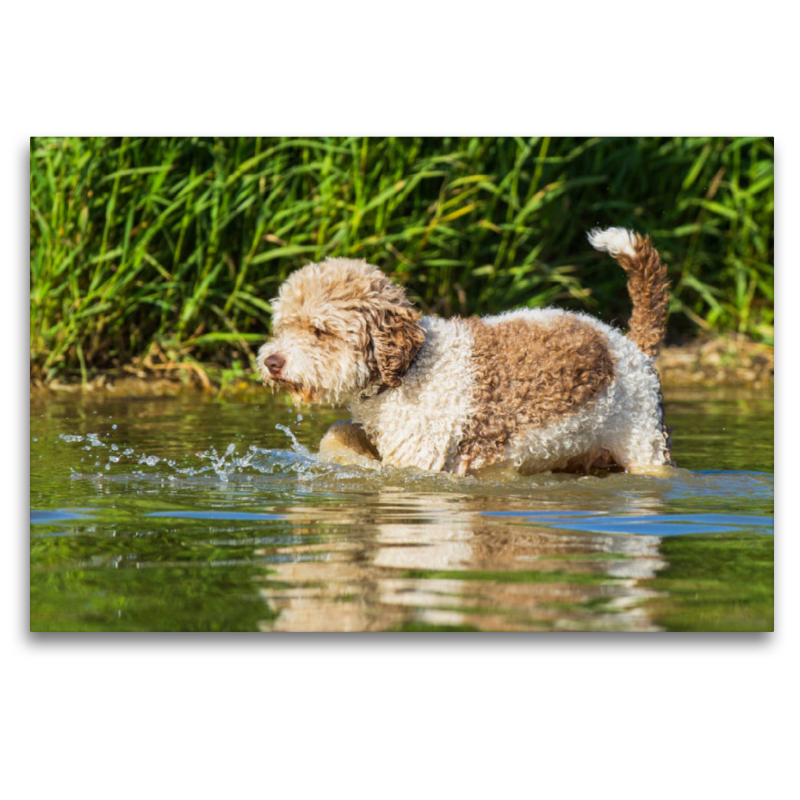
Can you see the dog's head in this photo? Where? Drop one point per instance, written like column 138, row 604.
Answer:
column 339, row 327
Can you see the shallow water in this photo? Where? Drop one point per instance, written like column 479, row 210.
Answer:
column 188, row 514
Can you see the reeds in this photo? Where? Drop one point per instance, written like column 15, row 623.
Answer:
column 175, row 246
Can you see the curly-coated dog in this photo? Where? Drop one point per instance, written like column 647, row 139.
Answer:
column 543, row 389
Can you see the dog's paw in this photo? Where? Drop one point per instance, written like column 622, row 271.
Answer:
column 654, row 470
column 346, row 443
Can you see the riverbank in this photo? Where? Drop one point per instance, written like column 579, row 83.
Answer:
column 731, row 360
column 707, row 362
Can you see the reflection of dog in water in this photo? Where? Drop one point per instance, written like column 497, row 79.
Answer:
column 419, row 559
column 542, row 389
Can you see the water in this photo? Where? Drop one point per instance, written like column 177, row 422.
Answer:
column 190, row 514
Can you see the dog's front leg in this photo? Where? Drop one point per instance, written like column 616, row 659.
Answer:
column 462, row 465
column 346, row 443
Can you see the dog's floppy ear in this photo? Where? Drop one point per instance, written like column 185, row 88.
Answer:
column 396, row 336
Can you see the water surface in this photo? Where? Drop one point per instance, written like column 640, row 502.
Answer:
column 191, row 514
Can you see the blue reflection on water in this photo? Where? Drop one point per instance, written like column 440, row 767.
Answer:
column 59, row 515
column 224, row 515
column 646, row 525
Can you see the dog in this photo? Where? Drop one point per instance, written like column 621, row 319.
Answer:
column 542, row 389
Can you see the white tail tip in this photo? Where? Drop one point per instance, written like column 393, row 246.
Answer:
column 612, row 240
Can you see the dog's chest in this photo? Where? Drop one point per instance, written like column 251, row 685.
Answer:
column 420, row 423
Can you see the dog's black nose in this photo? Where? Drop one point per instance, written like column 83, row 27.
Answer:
column 274, row 364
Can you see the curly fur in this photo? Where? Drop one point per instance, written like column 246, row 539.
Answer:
column 566, row 362
column 341, row 325
column 647, row 283
column 542, row 388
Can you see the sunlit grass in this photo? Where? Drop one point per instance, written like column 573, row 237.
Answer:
column 172, row 248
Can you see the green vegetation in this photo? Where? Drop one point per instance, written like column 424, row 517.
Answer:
column 169, row 250
column 155, row 598
column 719, row 582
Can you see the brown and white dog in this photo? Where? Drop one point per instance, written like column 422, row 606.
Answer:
column 543, row 389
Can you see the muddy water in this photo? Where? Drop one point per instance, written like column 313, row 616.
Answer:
column 188, row 514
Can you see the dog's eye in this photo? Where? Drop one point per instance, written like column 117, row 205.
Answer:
column 319, row 333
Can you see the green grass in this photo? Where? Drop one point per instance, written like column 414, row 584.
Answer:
column 169, row 249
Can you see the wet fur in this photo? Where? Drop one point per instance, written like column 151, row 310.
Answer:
column 565, row 362
column 540, row 388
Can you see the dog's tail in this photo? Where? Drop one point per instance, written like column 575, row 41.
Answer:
column 647, row 283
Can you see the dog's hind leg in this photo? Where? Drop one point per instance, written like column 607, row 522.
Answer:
column 645, row 451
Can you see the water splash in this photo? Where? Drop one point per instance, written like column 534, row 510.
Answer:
column 125, row 462
column 297, row 464
column 296, row 446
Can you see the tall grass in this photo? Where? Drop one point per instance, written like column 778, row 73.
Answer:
column 177, row 245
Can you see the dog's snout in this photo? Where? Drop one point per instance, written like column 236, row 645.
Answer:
column 274, row 364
